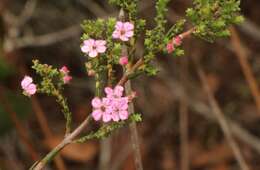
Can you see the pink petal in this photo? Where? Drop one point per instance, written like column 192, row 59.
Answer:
column 128, row 26
column 116, row 34
column 31, row 89
column 100, row 43
column 170, row 47
column 115, row 117
column 93, row 53
column 177, row 41
column 67, row 79
column 96, row 102
column 123, row 60
column 97, row 114
column 89, row 42
column 119, row 25
column 118, row 91
column 101, row 49
column 85, row 49
column 107, row 102
column 109, row 91
column 26, row 81
column 106, row 117
column 129, row 33
column 124, row 37
column 64, row 70
column 123, row 115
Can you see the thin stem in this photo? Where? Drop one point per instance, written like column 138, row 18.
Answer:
column 67, row 140
column 245, row 66
column 134, row 133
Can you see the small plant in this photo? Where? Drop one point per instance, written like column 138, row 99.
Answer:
column 112, row 42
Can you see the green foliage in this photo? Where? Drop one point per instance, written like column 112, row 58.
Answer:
column 93, row 28
column 129, row 6
column 212, row 18
column 52, row 85
column 154, row 39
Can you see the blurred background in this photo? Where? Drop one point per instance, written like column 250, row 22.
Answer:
column 180, row 130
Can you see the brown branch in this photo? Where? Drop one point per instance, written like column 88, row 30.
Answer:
column 47, row 39
column 246, row 68
column 134, row 133
column 221, row 119
column 66, row 141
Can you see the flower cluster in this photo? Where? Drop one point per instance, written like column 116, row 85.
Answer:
column 93, row 47
column 112, row 107
column 175, row 42
column 66, row 78
column 28, row 86
column 123, row 31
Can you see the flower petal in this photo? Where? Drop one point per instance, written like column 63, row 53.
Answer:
column 31, row 89
column 123, row 115
column 118, row 91
column 96, row 102
column 85, row 49
column 129, row 33
column 26, row 81
column 106, row 117
column 93, row 53
column 115, row 117
column 101, row 49
column 116, row 34
column 97, row 114
column 119, row 25
column 109, row 91
column 128, row 26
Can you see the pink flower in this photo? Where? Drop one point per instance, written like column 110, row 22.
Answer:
column 114, row 93
column 177, row 41
column 93, row 47
column 123, row 30
column 66, row 77
column 120, row 107
column 123, row 60
column 101, row 109
column 170, row 47
column 112, row 107
column 28, row 86
column 64, row 70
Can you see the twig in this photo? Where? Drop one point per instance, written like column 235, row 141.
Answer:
column 248, row 73
column 47, row 39
column 27, row 12
column 67, row 140
column 134, row 133
column 221, row 119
